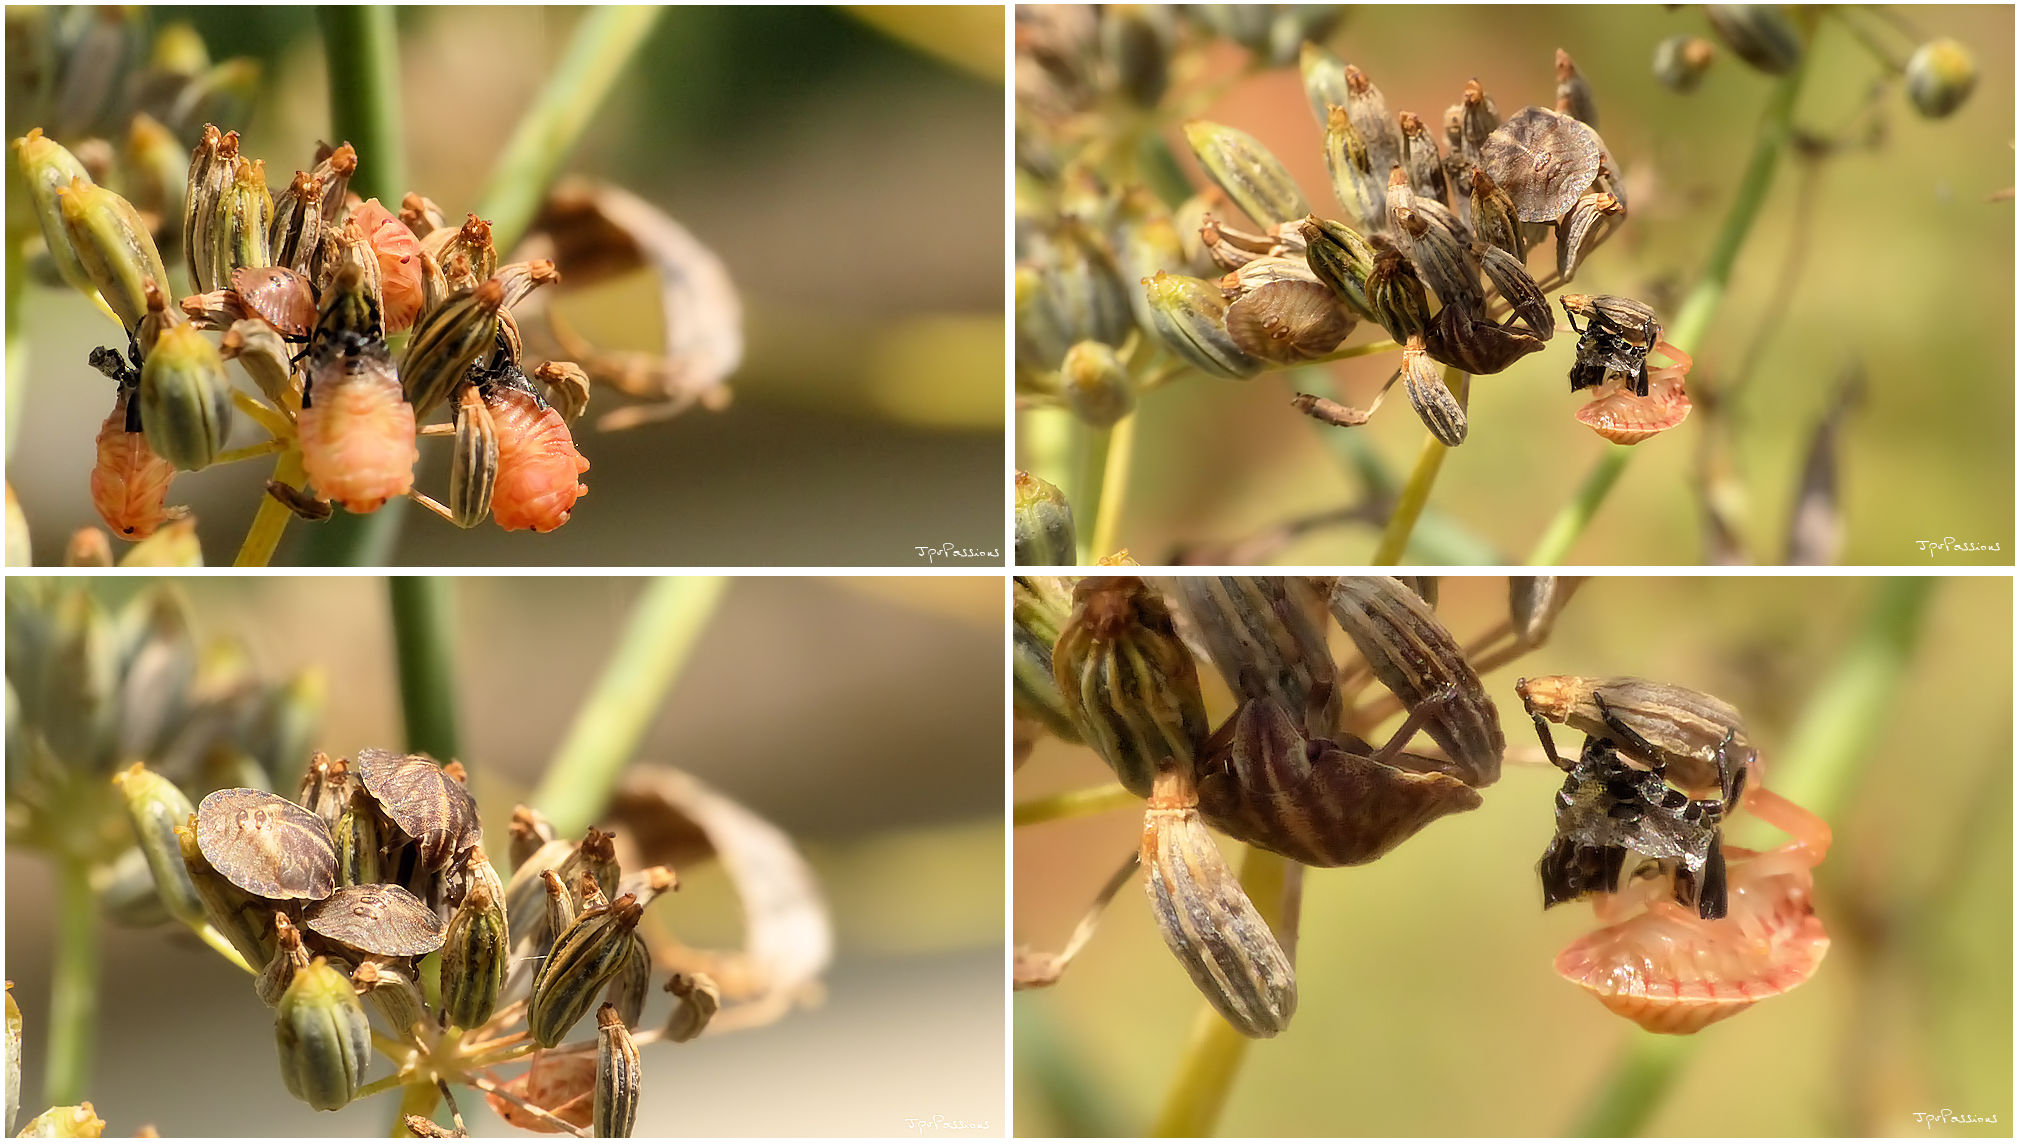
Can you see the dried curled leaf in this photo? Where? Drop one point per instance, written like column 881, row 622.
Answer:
column 673, row 818
column 595, row 231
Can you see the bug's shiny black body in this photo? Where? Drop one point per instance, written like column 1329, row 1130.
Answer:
column 1616, row 338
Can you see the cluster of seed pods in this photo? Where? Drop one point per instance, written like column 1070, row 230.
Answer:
column 378, row 863
column 1280, row 773
column 306, row 286
column 1691, row 933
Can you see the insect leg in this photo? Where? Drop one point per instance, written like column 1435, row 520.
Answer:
column 1419, row 716
column 1549, row 745
column 1629, row 737
column 1711, row 899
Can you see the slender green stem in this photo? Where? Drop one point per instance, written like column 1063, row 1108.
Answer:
column 1114, row 487
column 271, row 518
column 361, row 48
column 663, row 629
column 73, row 987
column 1694, row 319
column 1091, row 452
column 1417, row 493
column 605, row 40
column 1214, row 1053
column 1827, row 753
column 424, row 638
column 416, row 1099
column 1074, row 804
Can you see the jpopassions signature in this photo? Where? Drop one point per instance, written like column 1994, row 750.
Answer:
column 1952, row 544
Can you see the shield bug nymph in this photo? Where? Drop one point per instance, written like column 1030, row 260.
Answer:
column 432, row 808
column 381, row 919
column 266, row 845
column 1615, row 340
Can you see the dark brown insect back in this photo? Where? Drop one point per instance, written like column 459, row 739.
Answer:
column 266, row 845
column 382, row 919
column 432, row 808
column 1544, row 160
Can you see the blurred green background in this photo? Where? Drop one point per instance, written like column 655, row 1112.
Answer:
column 845, row 165
column 1909, row 274
column 1427, row 1002
column 864, row 717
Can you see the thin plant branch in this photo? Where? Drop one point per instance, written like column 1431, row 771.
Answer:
column 1114, row 487
column 73, row 987
column 271, row 518
column 423, row 638
column 1074, row 804
column 1417, row 493
column 661, row 633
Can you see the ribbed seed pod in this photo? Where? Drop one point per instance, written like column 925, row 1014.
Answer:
column 324, row 1039
column 1044, row 523
column 1573, row 227
column 1039, row 606
column 524, row 893
column 156, row 807
column 326, row 789
column 527, row 832
column 1413, row 656
column 1339, row 257
column 1511, row 280
column 587, row 954
column 391, row 989
column 1207, row 920
column 421, row 215
column 238, row 236
column 1478, row 120
column 696, row 1000
column 212, row 165
column 1681, row 61
column 1324, row 77
column 473, row 466
column 465, row 254
column 1190, row 318
column 1396, row 295
column 474, row 957
column 1096, row 384
column 1128, row 681
column 446, row 341
column 1252, row 178
column 627, row 990
column 185, row 400
column 1494, row 219
column 297, row 227
column 1369, row 113
column 1441, row 261
column 1574, row 95
column 1535, row 601
column 1264, row 644
column 289, row 959
column 617, row 1077
column 360, row 843
column 1352, row 169
column 47, row 167
column 1436, row 405
column 154, row 161
column 335, row 170
column 1421, row 159
column 114, row 247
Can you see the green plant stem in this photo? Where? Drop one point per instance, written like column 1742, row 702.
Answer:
column 1215, row 1051
column 73, row 986
column 271, row 518
column 1827, row 753
column 1074, row 804
column 1114, row 487
column 1417, row 493
column 662, row 630
column 416, row 1099
column 1694, row 319
column 1090, row 449
column 605, row 39
column 423, row 637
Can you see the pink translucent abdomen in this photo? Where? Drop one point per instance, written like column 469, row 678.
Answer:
column 537, row 465
column 1619, row 416
column 129, row 484
column 399, row 262
column 357, row 441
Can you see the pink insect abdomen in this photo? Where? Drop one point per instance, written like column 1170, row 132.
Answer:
column 357, row 440
column 129, row 484
column 1621, row 417
column 399, row 262
column 1670, row 971
column 537, row 465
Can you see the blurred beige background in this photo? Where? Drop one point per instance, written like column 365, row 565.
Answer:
column 848, row 170
column 1427, row 1002
column 865, row 717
